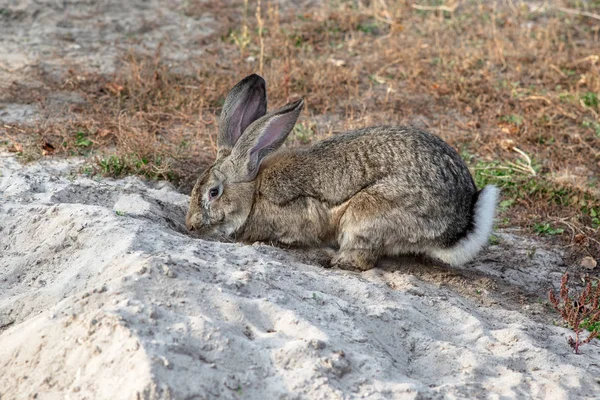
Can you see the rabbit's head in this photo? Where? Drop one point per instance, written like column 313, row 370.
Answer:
column 223, row 196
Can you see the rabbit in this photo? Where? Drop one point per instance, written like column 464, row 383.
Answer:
column 372, row 192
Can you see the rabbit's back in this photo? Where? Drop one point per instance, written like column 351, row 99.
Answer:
column 417, row 165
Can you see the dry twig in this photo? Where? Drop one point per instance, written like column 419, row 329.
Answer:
column 449, row 9
column 577, row 12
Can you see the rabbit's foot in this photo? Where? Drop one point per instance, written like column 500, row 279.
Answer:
column 315, row 256
column 354, row 260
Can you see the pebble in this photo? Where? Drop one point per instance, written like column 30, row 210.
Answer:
column 169, row 272
column 588, row 262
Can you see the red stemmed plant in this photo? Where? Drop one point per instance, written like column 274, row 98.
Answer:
column 575, row 311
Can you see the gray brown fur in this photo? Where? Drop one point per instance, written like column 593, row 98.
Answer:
column 373, row 192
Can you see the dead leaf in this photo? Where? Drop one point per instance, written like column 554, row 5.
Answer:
column 336, row 62
column 397, row 28
column 580, row 238
column 378, row 79
column 507, row 144
column 508, row 128
column 15, row 148
column 47, row 148
column 588, row 262
column 443, row 90
column 114, row 88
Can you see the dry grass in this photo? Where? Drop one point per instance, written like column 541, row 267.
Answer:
column 515, row 88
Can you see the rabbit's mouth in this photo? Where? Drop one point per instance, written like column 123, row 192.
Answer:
column 202, row 232
column 224, row 232
column 210, row 235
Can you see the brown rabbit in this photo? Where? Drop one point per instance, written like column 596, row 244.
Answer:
column 373, row 192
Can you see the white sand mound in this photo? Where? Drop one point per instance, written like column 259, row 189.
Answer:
column 104, row 296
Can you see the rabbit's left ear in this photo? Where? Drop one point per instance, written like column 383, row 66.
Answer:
column 263, row 137
column 245, row 103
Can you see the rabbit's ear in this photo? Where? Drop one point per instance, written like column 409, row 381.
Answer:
column 263, row 137
column 245, row 103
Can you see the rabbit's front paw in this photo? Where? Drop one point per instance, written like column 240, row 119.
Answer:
column 354, row 260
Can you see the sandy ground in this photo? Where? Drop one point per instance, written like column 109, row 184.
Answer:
column 103, row 295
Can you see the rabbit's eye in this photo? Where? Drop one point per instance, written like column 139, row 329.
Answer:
column 213, row 193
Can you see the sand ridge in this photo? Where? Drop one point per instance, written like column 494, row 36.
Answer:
column 104, row 295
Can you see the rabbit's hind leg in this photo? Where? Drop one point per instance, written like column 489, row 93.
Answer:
column 359, row 233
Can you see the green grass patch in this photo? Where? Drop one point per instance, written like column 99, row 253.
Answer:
column 593, row 125
column 81, row 139
column 513, row 119
column 304, row 133
column 547, row 229
column 590, row 99
column 117, row 166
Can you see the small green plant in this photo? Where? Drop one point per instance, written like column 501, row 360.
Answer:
column 513, row 119
column 547, row 229
column 298, row 41
column 581, row 313
column 370, row 28
column 120, row 213
column 506, row 204
column 112, row 165
column 566, row 97
column 81, row 139
column 494, row 240
column 594, row 125
column 87, row 170
column 304, row 132
column 594, row 215
column 590, row 99
column 591, row 327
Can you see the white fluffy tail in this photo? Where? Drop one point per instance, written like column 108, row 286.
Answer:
column 467, row 248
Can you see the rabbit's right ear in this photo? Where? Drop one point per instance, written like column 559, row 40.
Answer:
column 262, row 138
column 245, row 103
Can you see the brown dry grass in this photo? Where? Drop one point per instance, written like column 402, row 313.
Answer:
column 515, row 89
